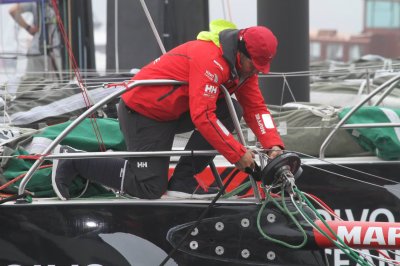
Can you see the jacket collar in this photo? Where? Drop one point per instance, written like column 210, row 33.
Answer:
column 228, row 40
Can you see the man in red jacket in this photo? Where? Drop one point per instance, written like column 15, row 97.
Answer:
column 151, row 116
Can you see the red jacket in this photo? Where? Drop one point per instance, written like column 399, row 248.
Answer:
column 204, row 66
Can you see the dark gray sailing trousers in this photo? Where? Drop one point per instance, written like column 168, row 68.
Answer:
column 147, row 177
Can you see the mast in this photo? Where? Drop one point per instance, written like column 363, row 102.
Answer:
column 289, row 20
column 136, row 42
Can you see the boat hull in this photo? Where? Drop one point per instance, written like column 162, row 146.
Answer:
column 124, row 231
column 137, row 232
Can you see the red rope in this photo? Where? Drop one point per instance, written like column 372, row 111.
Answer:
column 20, row 177
column 31, row 157
column 322, row 203
column 201, row 183
column 78, row 76
column 117, row 84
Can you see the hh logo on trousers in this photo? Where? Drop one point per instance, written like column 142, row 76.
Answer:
column 141, row 164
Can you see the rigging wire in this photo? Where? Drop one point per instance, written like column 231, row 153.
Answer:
column 342, row 166
column 351, row 178
column 153, row 26
column 289, row 89
column 279, row 74
column 336, row 72
column 284, row 85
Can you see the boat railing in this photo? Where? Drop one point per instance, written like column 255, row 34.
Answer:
column 242, row 140
column 132, row 84
column 85, row 114
column 389, row 86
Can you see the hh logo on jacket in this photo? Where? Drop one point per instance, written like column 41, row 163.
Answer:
column 210, row 90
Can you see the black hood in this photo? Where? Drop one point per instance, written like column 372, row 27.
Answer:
column 229, row 43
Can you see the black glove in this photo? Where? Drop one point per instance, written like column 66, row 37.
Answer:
column 255, row 173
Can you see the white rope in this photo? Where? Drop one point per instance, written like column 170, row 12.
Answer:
column 352, row 178
column 383, row 259
column 344, row 167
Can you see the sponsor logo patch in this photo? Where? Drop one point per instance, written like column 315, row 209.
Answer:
column 141, row 164
column 264, row 121
column 210, row 90
column 260, row 124
column 268, row 121
column 368, row 236
column 211, row 76
column 218, row 65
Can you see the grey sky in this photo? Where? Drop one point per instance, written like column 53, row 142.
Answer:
column 343, row 15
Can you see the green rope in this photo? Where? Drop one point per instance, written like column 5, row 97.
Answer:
column 339, row 243
column 237, row 190
column 274, row 240
column 284, row 204
column 343, row 246
column 355, row 257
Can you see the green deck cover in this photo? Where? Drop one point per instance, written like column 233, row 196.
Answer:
column 384, row 142
column 83, row 138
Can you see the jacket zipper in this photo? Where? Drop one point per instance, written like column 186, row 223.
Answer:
column 168, row 93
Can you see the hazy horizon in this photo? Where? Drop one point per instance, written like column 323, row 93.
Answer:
column 323, row 14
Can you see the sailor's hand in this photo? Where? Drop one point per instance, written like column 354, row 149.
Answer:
column 247, row 161
column 32, row 29
column 274, row 151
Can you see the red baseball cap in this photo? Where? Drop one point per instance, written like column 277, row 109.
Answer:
column 261, row 46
